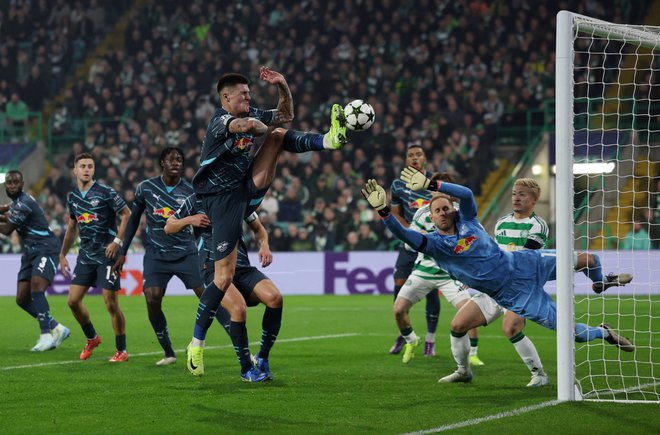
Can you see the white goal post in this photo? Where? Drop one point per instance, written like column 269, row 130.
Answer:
column 605, row 109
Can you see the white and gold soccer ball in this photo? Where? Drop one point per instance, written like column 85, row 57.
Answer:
column 359, row 115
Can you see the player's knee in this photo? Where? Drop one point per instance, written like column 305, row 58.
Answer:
column 274, row 300
column 238, row 312
column 74, row 304
column 112, row 307
column 458, row 325
column 510, row 330
column 153, row 300
column 278, row 136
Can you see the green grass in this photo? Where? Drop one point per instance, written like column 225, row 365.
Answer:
column 332, row 375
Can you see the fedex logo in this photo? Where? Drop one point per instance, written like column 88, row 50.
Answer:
column 358, row 280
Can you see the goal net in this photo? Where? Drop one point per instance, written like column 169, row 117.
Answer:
column 608, row 152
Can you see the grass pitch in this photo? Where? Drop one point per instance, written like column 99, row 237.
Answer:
column 332, row 375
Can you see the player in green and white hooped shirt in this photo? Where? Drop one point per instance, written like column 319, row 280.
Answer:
column 523, row 229
column 425, row 277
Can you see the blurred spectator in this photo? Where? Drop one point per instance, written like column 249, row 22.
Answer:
column 637, row 239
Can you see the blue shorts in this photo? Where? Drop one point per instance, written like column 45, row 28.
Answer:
column 245, row 280
column 524, row 294
column 404, row 263
column 96, row 275
column 38, row 264
column 157, row 273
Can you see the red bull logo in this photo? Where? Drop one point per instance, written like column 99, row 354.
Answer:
column 418, row 203
column 165, row 212
column 87, row 218
column 464, row 244
column 242, row 143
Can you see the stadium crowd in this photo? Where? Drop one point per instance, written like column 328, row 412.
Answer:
column 444, row 74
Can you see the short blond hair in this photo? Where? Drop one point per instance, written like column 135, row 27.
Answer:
column 531, row 184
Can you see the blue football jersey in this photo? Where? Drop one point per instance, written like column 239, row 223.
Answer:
column 226, row 156
column 95, row 210
column 160, row 201
column 192, row 206
column 30, row 222
column 409, row 200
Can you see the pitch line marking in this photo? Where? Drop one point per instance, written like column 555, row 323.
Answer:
column 497, row 416
column 226, row 346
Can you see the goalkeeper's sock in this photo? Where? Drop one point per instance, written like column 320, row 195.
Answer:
column 595, row 273
column 432, row 311
column 460, row 349
column 527, row 352
column 585, row 333
column 209, row 302
column 300, row 142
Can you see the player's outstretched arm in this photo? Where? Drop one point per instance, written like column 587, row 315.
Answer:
column 376, row 197
column 248, row 125
column 284, row 110
column 174, row 225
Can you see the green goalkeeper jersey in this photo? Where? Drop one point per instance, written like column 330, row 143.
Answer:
column 513, row 234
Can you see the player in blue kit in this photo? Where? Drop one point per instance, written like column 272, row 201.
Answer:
column 38, row 262
column 249, row 285
column 166, row 255
column 93, row 210
column 514, row 280
column 229, row 180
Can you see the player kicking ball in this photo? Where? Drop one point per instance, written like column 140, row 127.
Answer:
column 249, row 288
column 38, row 262
column 514, row 280
column 93, row 210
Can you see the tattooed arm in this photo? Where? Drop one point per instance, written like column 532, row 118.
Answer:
column 284, row 110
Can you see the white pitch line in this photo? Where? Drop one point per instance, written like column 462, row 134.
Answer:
column 497, row 416
column 133, row 355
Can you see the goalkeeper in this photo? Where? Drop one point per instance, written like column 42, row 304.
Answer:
column 514, row 280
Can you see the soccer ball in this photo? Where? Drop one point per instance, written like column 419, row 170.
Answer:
column 359, row 115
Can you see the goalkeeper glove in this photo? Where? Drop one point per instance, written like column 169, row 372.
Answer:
column 416, row 180
column 375, row 195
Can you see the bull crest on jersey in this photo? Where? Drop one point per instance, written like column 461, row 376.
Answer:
column 242, row 143
column 87, row 218
column 418, row 203
column 165, row 212
column 464, row 244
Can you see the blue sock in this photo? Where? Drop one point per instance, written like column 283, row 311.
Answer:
column 299, row 142
column 89, row 331
column 43, row 312
column 432, row 311
column 159, row 323
column 585, row 333
column 239, row 338
column 270, row 324
column 208, row 305
column 120, row 342
column 53, row 322
column 595, row 273
column 223, row 317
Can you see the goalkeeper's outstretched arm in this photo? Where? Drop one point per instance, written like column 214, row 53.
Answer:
column 375, row 195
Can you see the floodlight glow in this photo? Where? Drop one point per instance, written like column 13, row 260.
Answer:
column 537, row 170
column 593, row 168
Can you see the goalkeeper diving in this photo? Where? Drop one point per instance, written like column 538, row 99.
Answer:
column 514, row 280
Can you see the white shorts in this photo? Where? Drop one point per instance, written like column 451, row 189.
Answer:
column 489, row 308
column 416, row 288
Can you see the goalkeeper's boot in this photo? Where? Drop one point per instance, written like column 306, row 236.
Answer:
column 398, row 345
column 611, row 280
column 119, row 356
column 45, row 342
column 335, row 138
column 458, row 376
column 89, row 347
column 60, row 333
column 539, row 379
column 614, row 338
column 262, row 365
column 429, row 348
column 409, row 351
column 476, row 361
column 195, row 359
column 254, row 375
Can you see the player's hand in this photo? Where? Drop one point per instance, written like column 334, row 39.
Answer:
column 415, row 179
column 64, row 266
column 269, row 76
column 265, row 255
column 119, row 265
column 375, row 195
column 200, row 220
column 111, row 250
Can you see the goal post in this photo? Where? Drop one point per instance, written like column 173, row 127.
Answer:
column 608, row 121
